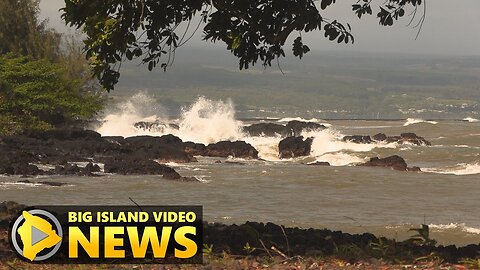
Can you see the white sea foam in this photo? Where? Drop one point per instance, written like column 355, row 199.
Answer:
column 43, row 167
column 314, row 120
column 459, row 169
column 411, row 121
column 171, row 163
column 471, row 120
column 267, row 147
column 454, row 226
column 330, row 141
column 21, row 184
column 328, row 146
column 288, row 119
column 201, row 178
column 340, row 159
column 461, row 146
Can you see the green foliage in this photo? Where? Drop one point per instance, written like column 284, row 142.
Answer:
column 423, row 236
column 431, row 257
column 44, row 77
column 381, row 247
column 249, row 249
column 349, row 252
column 471, row 263
column 38, row 94
column 252, row 30
column 22, row 32
column 208, row 250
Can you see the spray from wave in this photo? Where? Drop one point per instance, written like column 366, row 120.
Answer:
column 459, row 169
column 412, row 121
column 121, row 119
column 205, row 121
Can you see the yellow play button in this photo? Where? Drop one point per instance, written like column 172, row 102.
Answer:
column 37, row 234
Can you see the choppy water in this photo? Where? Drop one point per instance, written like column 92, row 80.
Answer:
column 343, row 197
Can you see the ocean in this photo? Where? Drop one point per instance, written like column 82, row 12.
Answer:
column 445, row 195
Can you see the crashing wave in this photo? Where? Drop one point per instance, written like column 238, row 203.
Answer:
column 412, row 121
column 210, row 121
column 205, row 121
column 459, row 169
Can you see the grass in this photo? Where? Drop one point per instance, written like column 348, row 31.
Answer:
column 228, row 261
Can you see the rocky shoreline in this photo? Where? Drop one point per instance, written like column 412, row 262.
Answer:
column 59, row 152
column 265, row 239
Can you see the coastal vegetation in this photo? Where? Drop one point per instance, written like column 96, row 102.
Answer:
column 45, row 80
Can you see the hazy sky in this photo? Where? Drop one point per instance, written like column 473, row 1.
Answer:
column 451, row 28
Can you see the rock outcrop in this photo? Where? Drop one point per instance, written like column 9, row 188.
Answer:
column 395, row 162
column 292, row 147
column 167, row 148
column 358, row 139
column 238, row 149
column 408, row 138
column 128, row 165
column 266, row 129
column 297, row 127
column 319, row 163
column 60, row 148
column 404, row 138
column 292, row 128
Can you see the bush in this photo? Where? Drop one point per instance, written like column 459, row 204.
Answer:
column 39, row 94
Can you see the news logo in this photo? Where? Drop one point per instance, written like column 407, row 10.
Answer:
column 40, row 233
column 109, row 234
